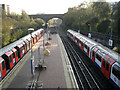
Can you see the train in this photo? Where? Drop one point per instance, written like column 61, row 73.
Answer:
column 11, row 54
column 106, row 60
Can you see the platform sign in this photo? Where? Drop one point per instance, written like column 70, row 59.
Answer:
column 110, row 42
column 32, row 66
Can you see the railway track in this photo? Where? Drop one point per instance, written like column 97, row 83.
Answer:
column 83, row 75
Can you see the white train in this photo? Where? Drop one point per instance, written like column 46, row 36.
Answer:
column 107, row 60
column 11, row 54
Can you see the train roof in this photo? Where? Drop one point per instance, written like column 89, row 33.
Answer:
column 79, row 36
column 111, row 53
column 12, row 45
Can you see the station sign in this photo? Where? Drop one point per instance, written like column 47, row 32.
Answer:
column 110, row 42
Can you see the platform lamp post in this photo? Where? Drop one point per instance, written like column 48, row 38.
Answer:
column 32, row 57
column 43, row 37
column 47, row 31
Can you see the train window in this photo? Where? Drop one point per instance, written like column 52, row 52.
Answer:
column 81, row 44
column 88, row 49
column 92, row 53
column 104, row 63
column 13, row 55
column 85, row 46
column 116, row 71
column 10, row 58
column 107, row 65
column 16, row 54
column 3, row 65
column 105, row 59
column 98, row 57
column 21, row 50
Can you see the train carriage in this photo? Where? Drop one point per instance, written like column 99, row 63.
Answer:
column 2, row 68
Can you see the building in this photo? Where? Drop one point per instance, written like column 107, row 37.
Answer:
column 5, row 7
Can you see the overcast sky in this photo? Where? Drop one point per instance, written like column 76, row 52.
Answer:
column 43, row 6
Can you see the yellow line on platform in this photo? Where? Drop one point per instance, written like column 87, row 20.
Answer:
column 67, row 64
column 70, row 73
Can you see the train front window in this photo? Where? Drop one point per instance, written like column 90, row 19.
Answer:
column 98, row 57
column 3, row 65
column 116, row 71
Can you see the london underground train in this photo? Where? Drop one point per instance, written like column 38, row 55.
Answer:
column 11, row 54
column 107, row 60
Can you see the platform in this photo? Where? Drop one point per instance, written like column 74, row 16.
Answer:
column 58, row 74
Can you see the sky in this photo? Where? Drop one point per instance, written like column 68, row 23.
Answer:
column 43, row 6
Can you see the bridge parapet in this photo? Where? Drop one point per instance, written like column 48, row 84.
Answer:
column 47, row 17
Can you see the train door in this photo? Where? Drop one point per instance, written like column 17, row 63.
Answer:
column 29, row 41
column 20, row 51
column 27, row 45
column 80, row 44
column 85, row 48
column 88, row 50
column 2, row 68
column 15, row 55
column 75, row 40
column 32, row 41
column 12, row 53
column 36, row 37
column 115, row 74
column 11, row 60
column 93, row 54
column 0, row 72
column 24, row 48
column 106, row 65
column 8, row 60
column 98, row 58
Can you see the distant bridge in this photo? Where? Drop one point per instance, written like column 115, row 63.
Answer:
column 47, row 17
